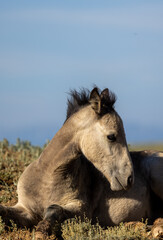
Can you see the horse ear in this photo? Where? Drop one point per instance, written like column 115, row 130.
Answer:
column 105, row 94
column 95, row 101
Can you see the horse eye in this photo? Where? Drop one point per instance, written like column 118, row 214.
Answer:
column 111, row 137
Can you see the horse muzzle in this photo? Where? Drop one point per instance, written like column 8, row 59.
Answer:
column 121, row 183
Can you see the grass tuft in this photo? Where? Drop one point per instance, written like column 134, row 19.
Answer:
column 73, row 229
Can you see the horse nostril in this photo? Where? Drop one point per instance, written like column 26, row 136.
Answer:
column 130, row 180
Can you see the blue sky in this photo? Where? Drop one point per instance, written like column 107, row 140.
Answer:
column 50, row 47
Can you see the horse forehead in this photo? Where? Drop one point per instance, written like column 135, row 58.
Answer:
column 112, row 121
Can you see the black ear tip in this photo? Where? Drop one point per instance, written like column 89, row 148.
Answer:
column 105, row 92
column 94, row 91
column 95, row 94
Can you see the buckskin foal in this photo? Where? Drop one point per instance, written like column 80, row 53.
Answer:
column 67, row 179
column 86, row 169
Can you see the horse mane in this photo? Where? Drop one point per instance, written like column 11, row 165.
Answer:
column 77, row 100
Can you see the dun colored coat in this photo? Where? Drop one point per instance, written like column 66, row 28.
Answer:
column 87, row 169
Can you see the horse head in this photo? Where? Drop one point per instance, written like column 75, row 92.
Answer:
column 102, row 139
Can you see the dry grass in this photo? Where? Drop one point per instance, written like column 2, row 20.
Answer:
column 76, row 229
column 154, row 146
column 13, row 160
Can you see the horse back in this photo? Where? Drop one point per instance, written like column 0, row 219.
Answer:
column 150, row 164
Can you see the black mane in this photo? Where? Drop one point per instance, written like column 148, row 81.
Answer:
column 80, row 99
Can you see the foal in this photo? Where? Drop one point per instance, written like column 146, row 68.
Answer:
column 86, row 160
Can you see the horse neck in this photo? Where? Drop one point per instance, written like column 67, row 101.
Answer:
column 61, row 149
column 64, row 147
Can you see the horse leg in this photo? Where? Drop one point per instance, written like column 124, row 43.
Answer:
column 54, row 216
column 18, row 214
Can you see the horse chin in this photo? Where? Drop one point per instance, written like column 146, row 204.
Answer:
column 116, row 185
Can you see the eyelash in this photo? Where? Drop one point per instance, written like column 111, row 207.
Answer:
column 111, row 138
